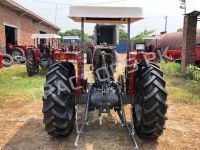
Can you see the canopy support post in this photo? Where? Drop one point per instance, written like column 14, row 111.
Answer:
column 129, row 36
column 83, row 46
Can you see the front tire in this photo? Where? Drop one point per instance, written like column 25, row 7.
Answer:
column 149, row 109
column 58, row 100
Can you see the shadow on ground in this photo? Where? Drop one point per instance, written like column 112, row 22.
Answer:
column 109, row 135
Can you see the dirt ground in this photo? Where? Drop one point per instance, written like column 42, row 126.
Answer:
column 22, row 129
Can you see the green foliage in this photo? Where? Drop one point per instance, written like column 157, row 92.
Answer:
column 182, row 86
column 77, row 32
column 183, row 90
column 122, row 33
column 171, row 69
column 179, row 30
column 140, row 37
column 193, row 73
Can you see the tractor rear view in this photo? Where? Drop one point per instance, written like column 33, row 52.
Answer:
column 142, row 86
column 41, row 54
column 103, row 33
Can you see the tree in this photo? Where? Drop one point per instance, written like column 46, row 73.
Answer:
column 140, row 37
column 179, row 30
column 76, row 32
column 122, row 33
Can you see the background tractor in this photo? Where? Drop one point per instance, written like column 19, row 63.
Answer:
column 17, row 52
column 42, row 54
column 103, row 33
column 169, row 47
column 142, row 86
column 72, row 43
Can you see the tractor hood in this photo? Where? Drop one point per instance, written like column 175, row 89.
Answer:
column 105, row 15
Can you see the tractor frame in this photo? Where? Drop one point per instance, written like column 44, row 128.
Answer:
column 135, row 87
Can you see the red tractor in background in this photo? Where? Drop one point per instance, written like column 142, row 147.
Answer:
column 142, row 85
column 17, row 52
column 72, row 43
column 42, row 53
column 176, row 55
column 103, row 34
column 168, row 54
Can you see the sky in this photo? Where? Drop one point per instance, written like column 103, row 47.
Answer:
column 154, row 12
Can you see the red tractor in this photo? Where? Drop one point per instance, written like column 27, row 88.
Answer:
column 17, row 52
column 174, row 54
column 142, row 86
column 72, row 43
column 42, row 54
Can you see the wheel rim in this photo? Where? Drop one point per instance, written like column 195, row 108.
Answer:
column 6, row 60
column 16, row 53
column 18, row 56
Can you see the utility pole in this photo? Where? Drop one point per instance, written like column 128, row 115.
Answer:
column 166, row 19
column 183, row 6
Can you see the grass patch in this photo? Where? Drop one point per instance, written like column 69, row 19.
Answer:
column 16, row 85
column 171, row 69
column 179, row 86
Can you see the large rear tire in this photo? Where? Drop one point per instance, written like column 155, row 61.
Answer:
column 31, row 66
column 58, row 100
column 150, row 106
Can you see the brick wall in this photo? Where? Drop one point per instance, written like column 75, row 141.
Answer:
column 189, row 40
column 25, row 27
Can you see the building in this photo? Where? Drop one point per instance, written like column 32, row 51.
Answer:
column 17, row 24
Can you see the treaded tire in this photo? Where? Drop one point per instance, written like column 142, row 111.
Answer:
column 58, row 101
column 20, row 53
column 7, row 60
column 31, row 66
column 89, row 56
column 150, row 106
column 110, row 59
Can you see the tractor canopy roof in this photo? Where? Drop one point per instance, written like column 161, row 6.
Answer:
column 45, row 36
column 105, row 15
column 71, row 38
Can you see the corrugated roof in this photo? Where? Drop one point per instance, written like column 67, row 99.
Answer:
column 24, row 11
